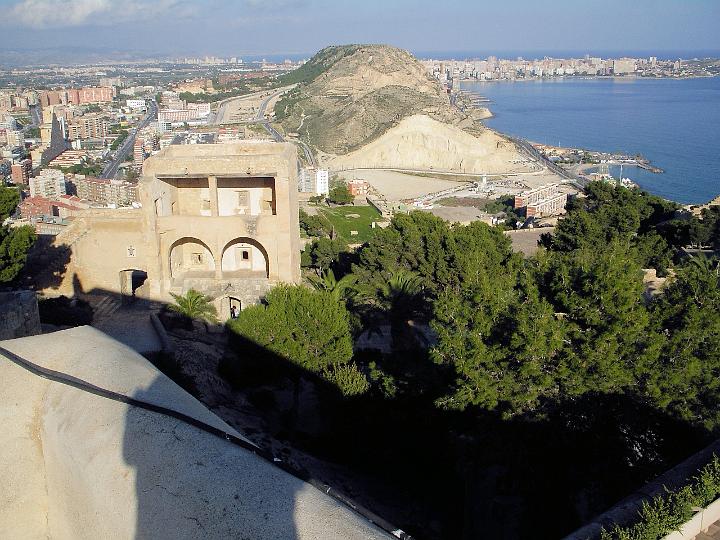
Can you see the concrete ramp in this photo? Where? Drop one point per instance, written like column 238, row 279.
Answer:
column 75, row 465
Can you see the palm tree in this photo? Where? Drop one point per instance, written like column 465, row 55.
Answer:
column 399, row 297
column 340, row 289
column 195, row 305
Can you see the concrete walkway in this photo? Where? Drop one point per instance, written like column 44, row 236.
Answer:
column 129, row 324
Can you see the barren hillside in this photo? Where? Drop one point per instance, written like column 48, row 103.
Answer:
column 420, row 142
column 375, row 105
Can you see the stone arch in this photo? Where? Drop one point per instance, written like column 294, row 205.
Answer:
column 245, row 256
column 190, row 256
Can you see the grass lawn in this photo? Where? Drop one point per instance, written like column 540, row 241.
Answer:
column 351, row 218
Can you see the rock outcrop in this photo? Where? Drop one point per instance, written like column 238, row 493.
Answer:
column 423, row 143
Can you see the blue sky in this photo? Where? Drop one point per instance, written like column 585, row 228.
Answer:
column 242, row 27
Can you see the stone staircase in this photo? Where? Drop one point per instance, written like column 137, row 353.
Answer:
column 103, row 307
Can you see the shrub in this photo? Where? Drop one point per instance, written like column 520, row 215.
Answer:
column 340, row 194
column 666, row 513
column 194, row 305
column 349, row 379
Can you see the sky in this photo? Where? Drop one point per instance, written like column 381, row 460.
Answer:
column 256, row 27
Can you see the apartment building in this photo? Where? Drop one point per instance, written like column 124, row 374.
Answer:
column 88, row 126
column 50, row 184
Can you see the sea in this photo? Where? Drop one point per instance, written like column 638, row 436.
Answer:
column 675, row 123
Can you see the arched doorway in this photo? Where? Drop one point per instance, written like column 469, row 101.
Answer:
column 190, row 257
column 245, row 257
column 130, row 282
column 232, row 307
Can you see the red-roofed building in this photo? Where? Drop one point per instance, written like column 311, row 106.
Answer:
column 40, row 206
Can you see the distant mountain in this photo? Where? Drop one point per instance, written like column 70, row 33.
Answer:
column 67, row 56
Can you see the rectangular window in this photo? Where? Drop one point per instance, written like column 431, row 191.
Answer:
column 197, row 258
column 245, row 255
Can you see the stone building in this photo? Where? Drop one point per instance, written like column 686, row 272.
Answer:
column 221, row 219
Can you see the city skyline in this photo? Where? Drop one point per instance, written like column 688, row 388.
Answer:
column 247, row 27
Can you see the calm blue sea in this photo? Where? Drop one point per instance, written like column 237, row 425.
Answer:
column 674, row 123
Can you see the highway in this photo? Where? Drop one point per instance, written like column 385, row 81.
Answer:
column 35, row 117
column 533, row 153
column 126, row 147
column 261, row 119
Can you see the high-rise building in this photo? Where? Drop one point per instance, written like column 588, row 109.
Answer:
column 15, row 138
column 89, row 126
column 105, row 192
column 312, row 180
column 20, row 172
column 77, row 96
column 623, row 66
column 53, row 141
column 322, row 182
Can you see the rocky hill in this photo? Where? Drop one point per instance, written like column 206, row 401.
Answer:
column 350, row 96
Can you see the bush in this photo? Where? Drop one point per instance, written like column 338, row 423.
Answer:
column 349, row 379
column 194, row 305
column 340, row 194
column 666, row 513
column 306, row 327
column 312, row 225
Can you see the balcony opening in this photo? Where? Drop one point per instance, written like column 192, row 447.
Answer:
column 246, row 196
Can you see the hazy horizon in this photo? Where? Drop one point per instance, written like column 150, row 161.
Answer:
column 301, row 27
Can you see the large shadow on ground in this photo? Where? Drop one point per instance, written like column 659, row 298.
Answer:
column 434, row 473
column 190, row 484
column 438, row 474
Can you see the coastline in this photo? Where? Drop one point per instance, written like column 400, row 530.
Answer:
column 619, row 118
column 588, row 77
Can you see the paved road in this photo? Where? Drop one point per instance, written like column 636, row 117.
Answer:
column 35, row 117
column 126, row 147
column 438, row 172
column 533, row 153
column 260, row 118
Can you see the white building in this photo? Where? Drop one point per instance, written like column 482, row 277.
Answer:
column 15, row 138
column 136, row 104
column 50, row 183
column 313, row 180
column 623, row 66
column 322, row 182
